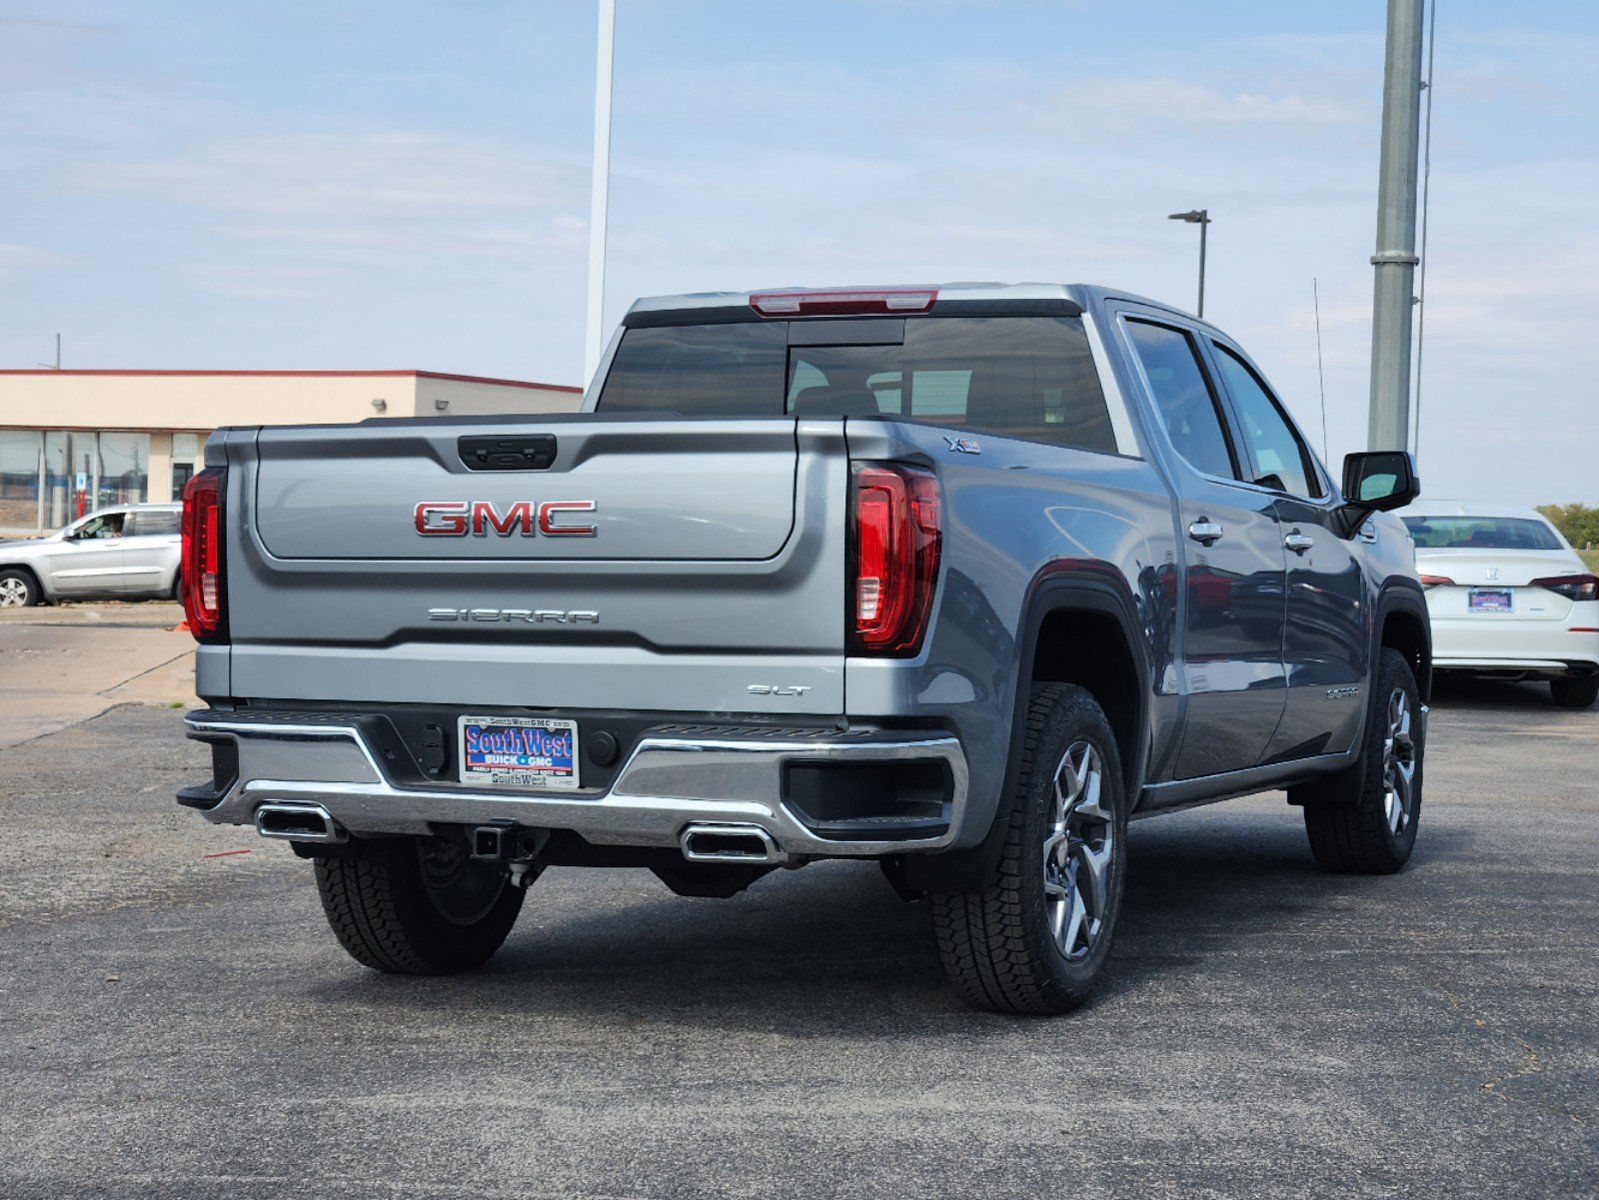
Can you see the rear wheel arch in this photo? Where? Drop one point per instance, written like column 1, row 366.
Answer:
column 1080, row 625
column 1085, row 638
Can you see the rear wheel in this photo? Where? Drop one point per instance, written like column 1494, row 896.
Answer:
column 417, row 906
column 1035, row 938
column 18, row 589
column 1363, row 821
column 1580, row 692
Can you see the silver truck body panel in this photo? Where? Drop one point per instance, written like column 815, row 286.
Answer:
column 743, row 585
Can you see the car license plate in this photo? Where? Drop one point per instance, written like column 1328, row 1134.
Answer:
column 1488, row 600
column 531, row 752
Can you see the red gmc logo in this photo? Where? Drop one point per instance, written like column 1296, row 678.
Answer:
column 457, row 518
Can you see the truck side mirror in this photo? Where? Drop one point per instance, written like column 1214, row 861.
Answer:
column 1378, row 481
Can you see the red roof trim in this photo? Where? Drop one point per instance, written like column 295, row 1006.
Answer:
column 521, row 383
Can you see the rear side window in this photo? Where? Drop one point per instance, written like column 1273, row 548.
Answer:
column 1025, row 377
column 733, row 370
column 158, row 523
column 1187, row 406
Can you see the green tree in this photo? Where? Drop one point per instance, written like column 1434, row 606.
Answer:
column 1578, row 522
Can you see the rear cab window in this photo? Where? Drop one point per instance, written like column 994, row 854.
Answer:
column 1028, row 377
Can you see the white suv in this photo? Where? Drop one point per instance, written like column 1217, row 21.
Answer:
column 1507, row 595
column 129, row 551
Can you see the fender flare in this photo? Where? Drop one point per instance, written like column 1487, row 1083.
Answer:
column 1400, row 594
column 1072, row 586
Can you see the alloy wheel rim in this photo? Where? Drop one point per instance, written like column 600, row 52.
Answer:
column 1399, row 763
column 13, row 592
column 1078, row 850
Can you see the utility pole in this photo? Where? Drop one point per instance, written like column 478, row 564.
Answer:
column 1200, row 217
column 1395, row 261
column 600, row 194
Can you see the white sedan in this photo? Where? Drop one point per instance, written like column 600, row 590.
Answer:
column 1507, row 596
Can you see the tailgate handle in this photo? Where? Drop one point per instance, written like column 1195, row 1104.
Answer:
column 498, row 452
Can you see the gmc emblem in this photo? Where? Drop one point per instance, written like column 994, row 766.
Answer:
column 457, row 518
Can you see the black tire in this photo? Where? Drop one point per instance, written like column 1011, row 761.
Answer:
column 1360, row 821
column 416, row 906
column 999, row 945
column 18, row 589
column 1580, row 692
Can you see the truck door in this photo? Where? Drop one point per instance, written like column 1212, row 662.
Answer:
column 1235, row 570
column 1325, row 644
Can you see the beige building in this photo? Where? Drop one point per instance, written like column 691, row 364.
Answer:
column 74, row 441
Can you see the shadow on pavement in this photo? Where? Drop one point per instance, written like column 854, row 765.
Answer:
column 1483, row 693
column 832, row 950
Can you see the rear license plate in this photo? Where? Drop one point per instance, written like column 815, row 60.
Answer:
column 531, row 752
column 1488, row 600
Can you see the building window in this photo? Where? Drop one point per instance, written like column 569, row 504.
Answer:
column 185, row 460
column 19, row 479
column 124, row 469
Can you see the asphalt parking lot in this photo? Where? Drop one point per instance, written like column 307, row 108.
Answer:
column 175, row 1019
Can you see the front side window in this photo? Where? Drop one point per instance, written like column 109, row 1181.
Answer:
column 1024, row 377
column 106, row 525
column 1482, row 533
column 1183, row 397
column 1281, row 461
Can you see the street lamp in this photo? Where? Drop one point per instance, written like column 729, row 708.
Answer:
column 1200, row 217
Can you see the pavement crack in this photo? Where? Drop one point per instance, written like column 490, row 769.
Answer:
column 1531, row 1062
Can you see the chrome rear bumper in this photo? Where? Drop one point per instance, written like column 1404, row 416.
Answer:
column 668, row 782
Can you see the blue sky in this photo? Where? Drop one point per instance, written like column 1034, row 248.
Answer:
column 406, row 184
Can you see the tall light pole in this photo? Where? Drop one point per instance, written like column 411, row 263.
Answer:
column 1388, row 426
column 1200, row 217
column 600, row 192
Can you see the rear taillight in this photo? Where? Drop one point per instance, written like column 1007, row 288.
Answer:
column 1430, row 581
column 844, row 302
column 204, row 587
column 1572, row 587
column 896, row 540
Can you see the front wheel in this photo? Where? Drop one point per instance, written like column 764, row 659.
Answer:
column 18, row 590
column 1035, row 938
column 417, row 906
column 1580, row 692
column 1363, row 821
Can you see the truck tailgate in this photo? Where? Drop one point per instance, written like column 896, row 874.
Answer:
column 683, row 566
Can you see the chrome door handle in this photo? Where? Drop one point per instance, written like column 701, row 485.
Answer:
column 1299, row 543
column 1205, row 531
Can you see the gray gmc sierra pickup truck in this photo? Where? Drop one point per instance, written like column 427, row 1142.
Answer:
column 959, row 579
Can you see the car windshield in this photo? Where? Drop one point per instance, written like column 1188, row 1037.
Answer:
column 1481, row 533
column 1026, row 377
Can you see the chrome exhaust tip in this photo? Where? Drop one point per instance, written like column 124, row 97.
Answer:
column 298, row 823
column 730, row 844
